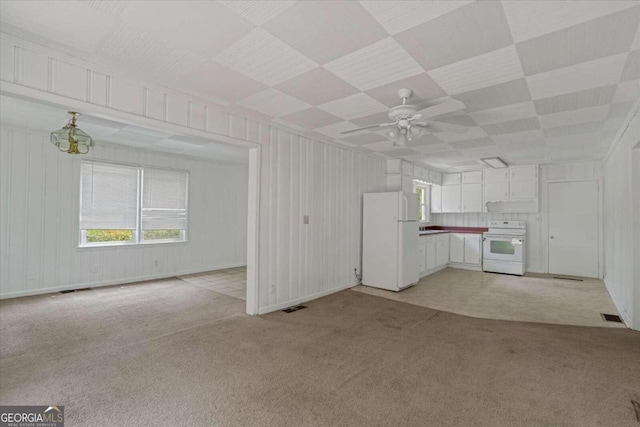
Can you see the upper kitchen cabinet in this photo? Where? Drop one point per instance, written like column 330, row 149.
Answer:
column 451, row 201
column 513, row 189
column 472, row 191
column 436, row 199
column 451, row 178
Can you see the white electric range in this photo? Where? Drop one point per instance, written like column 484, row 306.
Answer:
column 504, row 248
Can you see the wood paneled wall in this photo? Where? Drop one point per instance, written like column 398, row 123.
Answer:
column 298, row 176
column 537, row 223
column 39, row 219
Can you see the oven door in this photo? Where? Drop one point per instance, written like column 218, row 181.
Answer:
column 503, row 248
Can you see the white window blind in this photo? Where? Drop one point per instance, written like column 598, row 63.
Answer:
column 164, row 199
column 109, row 197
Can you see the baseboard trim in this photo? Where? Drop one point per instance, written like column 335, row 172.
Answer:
column 433, row 270
column 465, row 266
column 618, row 303
column 283, row 305
column 128, row 280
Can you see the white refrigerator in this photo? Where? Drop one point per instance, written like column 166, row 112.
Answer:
column 390, row 240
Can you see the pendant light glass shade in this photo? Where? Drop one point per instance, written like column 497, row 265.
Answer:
column 72, row 139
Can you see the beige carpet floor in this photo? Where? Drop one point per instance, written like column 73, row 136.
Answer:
column 168, row 353
column 531, row 298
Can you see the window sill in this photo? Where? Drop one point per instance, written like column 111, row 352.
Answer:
column 132, row 245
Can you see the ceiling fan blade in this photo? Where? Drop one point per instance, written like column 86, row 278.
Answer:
column 438, row 110
column 368, row 127
column 446, row 127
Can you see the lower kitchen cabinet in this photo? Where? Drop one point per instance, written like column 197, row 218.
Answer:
column 433, row 253
column 465, row 250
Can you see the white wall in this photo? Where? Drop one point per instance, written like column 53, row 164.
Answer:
column 297, row 175
column 39, row 219
column 537, row 223
column 621, row 254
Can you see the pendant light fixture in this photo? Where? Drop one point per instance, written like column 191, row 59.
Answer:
column 71, row 139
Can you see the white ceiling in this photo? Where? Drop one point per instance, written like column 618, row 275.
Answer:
column 25, row 114
column 543, row 81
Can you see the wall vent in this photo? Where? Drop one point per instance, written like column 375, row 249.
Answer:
column 75, row 290
column 294, row 308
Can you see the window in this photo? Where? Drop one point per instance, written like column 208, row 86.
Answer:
column 423, row 191
column 128, row 205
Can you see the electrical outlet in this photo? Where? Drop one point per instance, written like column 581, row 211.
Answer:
column 305, row 219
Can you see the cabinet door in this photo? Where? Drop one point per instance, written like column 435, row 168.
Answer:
column 496, row 191
column 442, row 250
column 524, row 190
column 450, row 178
column 436, row 199
column 471, row 197
column 431, row 252
column 472, row 177
column 456, row 247
column 451, row 198
column 422, row 244
column 524, row 173
column 472, row 249
column 496, row 175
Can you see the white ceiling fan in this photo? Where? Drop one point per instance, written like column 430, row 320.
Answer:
column 406, row 124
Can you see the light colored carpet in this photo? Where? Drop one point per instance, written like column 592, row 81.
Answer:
column 531, row 298
column 230, row 281
column 169, row 353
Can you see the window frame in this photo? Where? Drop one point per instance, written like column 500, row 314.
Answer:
column 425, row 206
column 137, row 233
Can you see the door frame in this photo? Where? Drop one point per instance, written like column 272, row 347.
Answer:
column 598, row 181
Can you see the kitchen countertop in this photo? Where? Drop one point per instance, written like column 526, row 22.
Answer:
column 437, row 229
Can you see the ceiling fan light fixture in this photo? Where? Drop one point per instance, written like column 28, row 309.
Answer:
column 495, row 162
column 71, row 139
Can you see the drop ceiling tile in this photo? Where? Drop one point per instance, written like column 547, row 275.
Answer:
column 502, row 114
column 576, row 100
column 620, row 109
column 423, row 87
column 529, row 19
column 206, row 28
column 312, row 118
column 143, row 54
column 353, row 107
column 571, row 142
column 110, row 7
column 366, row 138
column 372, row 119
column 90, row 26
column 524, row 146
column 587, row 75
column 591, row 40
column 472, row 133
column 273, row 103
column 380, row 146
column 211, row 79
column 460, row 119
column 472, row 143
column 612, row 125
column 317, row 86
column 627, row 91
column 571, row 117
column 258, row 12
column 513, row 126
column 631, row 70
column 265, row 58
column 530, row 135
column 324, row 31
column 396, row 17
column 574, row 129
column 365, row 70
column 508, row 93
column 481, row 152
column 489, row 69
column 465, row 32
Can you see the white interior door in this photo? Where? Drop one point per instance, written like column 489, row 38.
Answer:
column 573, row 228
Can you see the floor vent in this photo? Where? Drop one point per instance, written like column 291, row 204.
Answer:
column 75, row 290
column 568, row 278
column 611, row 318
column 294, row 308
